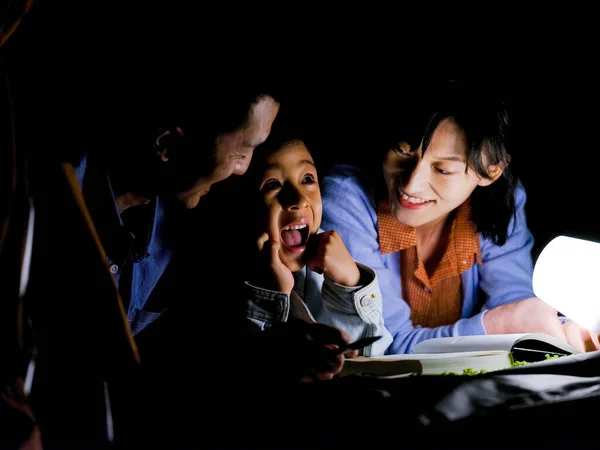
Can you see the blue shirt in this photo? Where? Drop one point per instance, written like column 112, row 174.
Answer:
column 349, row 208
column 138, row 245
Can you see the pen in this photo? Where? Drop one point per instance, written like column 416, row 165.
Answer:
column 356, row 345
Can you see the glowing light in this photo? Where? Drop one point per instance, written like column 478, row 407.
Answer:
column 567, row 277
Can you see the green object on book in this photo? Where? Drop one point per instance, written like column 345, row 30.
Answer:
column 467, row 371
column 465, row 355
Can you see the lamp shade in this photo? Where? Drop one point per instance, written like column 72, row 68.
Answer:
column 567, row 277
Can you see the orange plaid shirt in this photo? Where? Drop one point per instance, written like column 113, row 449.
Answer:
column 434, row 301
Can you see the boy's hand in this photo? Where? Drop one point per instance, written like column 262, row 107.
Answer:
column 321, row 352
column 308, row 351
column 276, row 275
column 327, row 254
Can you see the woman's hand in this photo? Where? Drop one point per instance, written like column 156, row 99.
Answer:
column 581, row 339
column 530, row 315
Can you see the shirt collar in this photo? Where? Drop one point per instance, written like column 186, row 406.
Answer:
column 117, row 239
column 395, row 236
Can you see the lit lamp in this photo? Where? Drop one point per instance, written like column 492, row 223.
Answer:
column 567, row 277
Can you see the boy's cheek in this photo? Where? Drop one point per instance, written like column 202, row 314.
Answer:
column 317, row 216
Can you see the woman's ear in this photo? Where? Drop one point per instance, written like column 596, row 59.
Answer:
column 165, row 142
column 494, row 172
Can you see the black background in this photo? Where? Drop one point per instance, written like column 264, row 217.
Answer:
column 341, row 69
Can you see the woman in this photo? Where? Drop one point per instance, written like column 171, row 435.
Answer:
column 444, row 228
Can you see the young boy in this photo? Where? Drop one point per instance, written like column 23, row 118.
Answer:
column 304, row 272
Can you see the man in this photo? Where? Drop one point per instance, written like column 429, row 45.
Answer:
column 156, row 137
column 139, row 186
column 136, row 190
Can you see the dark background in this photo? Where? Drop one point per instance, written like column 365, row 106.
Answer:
column 341, row 71
column 553, row 97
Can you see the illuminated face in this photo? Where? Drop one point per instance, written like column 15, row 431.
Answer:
column 233, row 151
column 425, row 188
column 290, row 190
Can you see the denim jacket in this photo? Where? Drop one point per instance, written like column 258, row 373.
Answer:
column 356, row 310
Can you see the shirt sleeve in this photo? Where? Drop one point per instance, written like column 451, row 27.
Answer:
column 349, row 208
column 265, row 307
column 357, row 310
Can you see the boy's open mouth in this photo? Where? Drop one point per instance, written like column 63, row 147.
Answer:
column 295, row 236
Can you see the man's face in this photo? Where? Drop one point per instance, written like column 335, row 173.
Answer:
column 233, row 151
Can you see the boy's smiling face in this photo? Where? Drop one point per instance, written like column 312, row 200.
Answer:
column 290, row 190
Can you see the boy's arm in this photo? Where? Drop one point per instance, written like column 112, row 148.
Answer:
column 265, row 307
column 357, row 310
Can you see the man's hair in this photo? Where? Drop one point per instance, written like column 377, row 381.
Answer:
column 204, row 107
column 203, row 102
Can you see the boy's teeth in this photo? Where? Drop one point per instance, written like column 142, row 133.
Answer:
column 295, row 227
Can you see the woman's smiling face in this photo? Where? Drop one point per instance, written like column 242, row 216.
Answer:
column 426, row 188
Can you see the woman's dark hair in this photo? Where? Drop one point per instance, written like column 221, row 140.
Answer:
column 484, row 118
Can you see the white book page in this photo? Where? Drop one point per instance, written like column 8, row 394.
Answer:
column 432, row 356
column 468, row 343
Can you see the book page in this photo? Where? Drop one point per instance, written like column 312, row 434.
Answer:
column 428, row 356
column 468, row 343
column 473, row 361
column 543, row 343
column 427, row 363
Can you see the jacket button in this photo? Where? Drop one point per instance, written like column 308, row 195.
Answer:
column 114, row 268
column 366, row 300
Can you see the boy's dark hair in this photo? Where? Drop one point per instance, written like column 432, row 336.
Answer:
column 287, row 129
column 484, row 117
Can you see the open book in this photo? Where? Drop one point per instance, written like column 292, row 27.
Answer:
column 528, row 347
column 462, row 355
